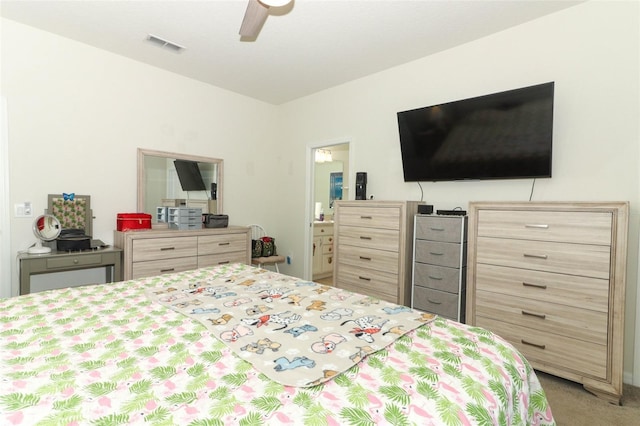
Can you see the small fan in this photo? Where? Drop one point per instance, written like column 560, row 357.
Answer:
column 46, row 227
column 256, row 14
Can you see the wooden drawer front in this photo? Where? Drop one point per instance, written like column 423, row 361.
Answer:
column 437, row 277
column 564, row 320
column 436, row 228
column 574, row 259
column 370, row 217
column 164, row 266
column 545, row 349
column 213, row 244
column 438, row 253
column 64, row 262
column 372, row 283
column 383, row 239
column 164, row 248
column 321, row 230
column 222, row 258
column 436, row 302
column 327, row 245
column 570, row 290
column 562, row 226
column 364, row 258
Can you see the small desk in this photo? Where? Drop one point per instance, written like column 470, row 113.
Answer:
column 63, row 261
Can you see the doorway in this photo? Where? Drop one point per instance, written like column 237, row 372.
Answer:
column 329, row 176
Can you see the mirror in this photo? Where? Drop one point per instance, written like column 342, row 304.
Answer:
column 46, row 227
column 160, row 183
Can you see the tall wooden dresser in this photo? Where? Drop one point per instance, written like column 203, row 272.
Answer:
column 152, row 252
column 549, row 277
column 373, row 248
column 439, row 265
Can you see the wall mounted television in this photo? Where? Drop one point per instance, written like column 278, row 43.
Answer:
column 505, row 135
column 189, row 175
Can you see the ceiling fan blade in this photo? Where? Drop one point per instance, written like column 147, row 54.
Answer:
column 254, row 18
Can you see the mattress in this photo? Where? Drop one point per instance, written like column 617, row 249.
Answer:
column 115, row 354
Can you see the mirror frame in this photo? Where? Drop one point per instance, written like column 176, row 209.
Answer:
column 142, row 153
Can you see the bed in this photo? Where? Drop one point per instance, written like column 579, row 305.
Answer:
column 164, row 350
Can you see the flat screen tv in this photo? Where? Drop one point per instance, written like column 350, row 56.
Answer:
column 189, row 175
column 506, row 135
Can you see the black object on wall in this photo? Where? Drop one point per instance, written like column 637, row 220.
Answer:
column 361, row 185
column 214, row 191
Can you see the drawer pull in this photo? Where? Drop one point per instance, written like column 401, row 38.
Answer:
column 364, row 238
column 364, row 278
column 366, row 217
column 224, row 244
column 167, row 270
column 435, row 278
column 533, row 314
column 436, row 229
column 434, row 302
column 435, row 254
column 224, row 262
column 167, row 248
column 539, row 226
column 75, row 261
column 364, row 258
column 536, row 256
column 542, row 286
column 524, row 342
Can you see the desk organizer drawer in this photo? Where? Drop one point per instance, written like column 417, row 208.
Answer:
column 64, row 262
column 561, row 226
column 164, row 248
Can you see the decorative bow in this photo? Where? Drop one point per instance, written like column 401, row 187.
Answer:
column 68, row 197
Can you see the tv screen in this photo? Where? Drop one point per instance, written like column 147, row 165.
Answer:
column 506, row 135
column 189, row 175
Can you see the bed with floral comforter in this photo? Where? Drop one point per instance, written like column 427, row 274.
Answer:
column 109, row 354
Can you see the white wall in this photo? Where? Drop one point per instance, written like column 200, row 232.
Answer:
column 77, row 114
column 590, row 51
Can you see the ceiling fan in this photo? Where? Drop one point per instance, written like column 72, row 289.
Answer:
column 255, row 15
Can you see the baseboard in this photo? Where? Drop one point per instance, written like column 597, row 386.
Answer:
column 627, row 377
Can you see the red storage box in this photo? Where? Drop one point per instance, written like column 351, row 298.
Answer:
column 128, row 221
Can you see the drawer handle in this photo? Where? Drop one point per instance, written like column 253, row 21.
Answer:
column 167, row 270
column 436, row 254
column 364, row 238
column 223, row 244
column 435, row 278
column 524, row 342
column 75, row 261
column 436, row 229
column 536, row 256
column 366, row 217
column 538, row 226
column 533, row 314
column 364, row 278
column 434, row 302
column 364, row 258
column 223, row 262
column 542, row 286
column 167, row 248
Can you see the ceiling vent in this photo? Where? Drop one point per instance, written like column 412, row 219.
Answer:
column 165, row 44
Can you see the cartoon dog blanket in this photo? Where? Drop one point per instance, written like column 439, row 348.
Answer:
column 298, row 333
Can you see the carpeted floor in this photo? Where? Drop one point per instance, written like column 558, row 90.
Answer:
column 573, row 406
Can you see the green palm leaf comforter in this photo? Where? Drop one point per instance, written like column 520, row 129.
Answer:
column 107, row 355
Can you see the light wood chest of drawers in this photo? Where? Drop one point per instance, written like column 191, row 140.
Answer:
column 152, row 252
column 373, row 248
column 439, row 265
column 550, row 278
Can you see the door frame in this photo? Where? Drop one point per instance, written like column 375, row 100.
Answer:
column 309, row 195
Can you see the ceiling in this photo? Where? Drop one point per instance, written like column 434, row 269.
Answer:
column 303, row 48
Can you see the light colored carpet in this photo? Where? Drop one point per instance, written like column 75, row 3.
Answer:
column 573, row 406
